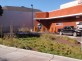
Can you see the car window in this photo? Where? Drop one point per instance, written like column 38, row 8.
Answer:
column 65, row 27
column 80, row 23
column 69, row 28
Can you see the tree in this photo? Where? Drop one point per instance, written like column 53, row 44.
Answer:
column 1, row 10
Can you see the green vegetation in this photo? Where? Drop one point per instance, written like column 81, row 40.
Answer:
column 47, row 43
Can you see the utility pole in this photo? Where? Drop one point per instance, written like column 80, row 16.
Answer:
column 32, row 18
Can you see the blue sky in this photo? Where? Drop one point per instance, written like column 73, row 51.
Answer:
column 44, row 5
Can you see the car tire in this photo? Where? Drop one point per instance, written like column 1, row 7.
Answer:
column 61, row 33
column 74, row 34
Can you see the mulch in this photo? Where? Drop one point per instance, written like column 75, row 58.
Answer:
column 60, row 40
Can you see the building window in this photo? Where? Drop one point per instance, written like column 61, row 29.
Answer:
column 59, row 24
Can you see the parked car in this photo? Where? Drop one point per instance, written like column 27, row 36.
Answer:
column 70, row 30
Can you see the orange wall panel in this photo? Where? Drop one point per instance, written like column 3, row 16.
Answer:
column 42, row 15
column 69, row 23
column 54, row 28
column 66, row 11
column 60, row 12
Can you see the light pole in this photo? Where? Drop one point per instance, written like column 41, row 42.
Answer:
column 32, row 17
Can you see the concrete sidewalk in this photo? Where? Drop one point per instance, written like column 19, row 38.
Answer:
column 14, row 54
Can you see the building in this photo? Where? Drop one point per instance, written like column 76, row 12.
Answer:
column 17, row 17
column 69, row 14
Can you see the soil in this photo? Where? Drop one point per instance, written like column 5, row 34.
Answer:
column 60, row 40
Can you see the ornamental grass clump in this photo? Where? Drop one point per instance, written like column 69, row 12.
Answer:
column 48, row 37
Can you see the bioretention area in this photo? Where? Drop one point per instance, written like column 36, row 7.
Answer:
column 47, row 43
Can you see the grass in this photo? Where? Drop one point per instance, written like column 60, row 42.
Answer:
column 47, row 43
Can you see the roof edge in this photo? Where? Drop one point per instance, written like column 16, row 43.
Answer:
column 59, row 16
